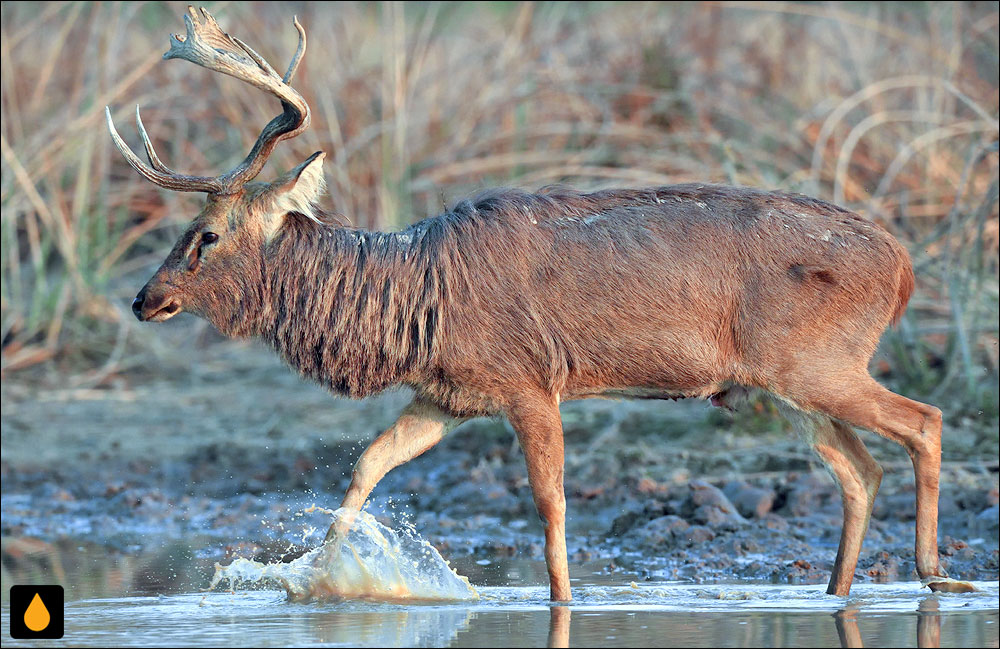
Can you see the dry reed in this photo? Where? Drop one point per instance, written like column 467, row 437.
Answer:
column 889, row 109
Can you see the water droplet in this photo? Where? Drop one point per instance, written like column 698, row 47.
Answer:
column 37, row 616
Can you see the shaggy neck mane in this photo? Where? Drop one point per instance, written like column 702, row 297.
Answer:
column 357, row 311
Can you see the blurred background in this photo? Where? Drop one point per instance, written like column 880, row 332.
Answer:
column 889, row 109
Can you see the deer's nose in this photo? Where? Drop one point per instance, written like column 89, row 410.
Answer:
column 137, row 304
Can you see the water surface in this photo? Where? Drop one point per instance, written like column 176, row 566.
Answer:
column 661, row 614
column 162, row 599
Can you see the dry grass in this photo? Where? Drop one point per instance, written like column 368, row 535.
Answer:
column 888, row 109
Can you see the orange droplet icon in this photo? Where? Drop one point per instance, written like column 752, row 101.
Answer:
column 37, row 616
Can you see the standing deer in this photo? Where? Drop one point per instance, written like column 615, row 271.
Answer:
column 514, row 302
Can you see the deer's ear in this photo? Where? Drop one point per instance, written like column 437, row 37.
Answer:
column 296, row 191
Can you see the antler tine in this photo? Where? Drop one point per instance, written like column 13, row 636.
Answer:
column 206, row 45
column 154, row 160
column 299, row 51
column 160, row 175
column 257, row 58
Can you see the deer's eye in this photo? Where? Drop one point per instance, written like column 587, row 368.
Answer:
column 209, row 237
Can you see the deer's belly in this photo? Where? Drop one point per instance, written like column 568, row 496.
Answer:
column 702, row 392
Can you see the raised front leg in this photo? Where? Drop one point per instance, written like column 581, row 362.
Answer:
column 539, row 429
column 420, row 426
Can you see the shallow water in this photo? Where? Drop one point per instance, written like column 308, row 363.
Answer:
column 661, row 614
column 337, row 595
column 156, row 600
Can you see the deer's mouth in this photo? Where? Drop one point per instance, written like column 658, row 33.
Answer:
column 167, row 311
column 147, row 310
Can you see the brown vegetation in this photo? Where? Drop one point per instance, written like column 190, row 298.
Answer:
column 887, row 109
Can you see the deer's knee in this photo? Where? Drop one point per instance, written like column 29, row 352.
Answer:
column 932, row 423
column 551, row 507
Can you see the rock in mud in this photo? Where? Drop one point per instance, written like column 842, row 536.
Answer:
column 712, row 508
column 638, row 516
column 774, row 522
column 717, row 518
column 750, row 501
column 956, row 551
column 703, row 493
column 808, row 494
column 801, row 571
column 881, row 566
column 696, row 534
column 662, row 533
column 625, row 522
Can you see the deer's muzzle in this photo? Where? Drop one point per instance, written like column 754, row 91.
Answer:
column 151, row 307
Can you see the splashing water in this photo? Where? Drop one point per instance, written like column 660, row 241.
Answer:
column 370, row 561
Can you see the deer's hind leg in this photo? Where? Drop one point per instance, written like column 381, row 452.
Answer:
column 858, row 477
column 859, row 400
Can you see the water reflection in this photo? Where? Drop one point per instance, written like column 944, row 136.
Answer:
column 559, row 617
column 928, row 624
column 432, row 627
column 104, row 609
column 847, row 627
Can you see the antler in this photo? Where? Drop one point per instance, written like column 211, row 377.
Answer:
column 205, row 44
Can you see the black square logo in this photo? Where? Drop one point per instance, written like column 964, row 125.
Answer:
column 36, row 612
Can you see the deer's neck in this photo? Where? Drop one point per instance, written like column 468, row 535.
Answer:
column 357, row 311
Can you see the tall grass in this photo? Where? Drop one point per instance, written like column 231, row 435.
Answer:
column 889, row 109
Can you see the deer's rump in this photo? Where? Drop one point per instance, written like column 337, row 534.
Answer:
column 674, row 291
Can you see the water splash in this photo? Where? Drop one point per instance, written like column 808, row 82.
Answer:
column 370, row 561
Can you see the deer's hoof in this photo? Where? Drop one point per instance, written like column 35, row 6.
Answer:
column 948, row 585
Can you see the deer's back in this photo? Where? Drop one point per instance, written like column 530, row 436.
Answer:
column 672, row 291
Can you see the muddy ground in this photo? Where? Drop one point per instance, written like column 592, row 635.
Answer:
column 219, row 445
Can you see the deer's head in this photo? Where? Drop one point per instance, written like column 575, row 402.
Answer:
column 221, row 250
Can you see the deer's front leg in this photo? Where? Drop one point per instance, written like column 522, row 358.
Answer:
column 539, row 430
column 419, row 427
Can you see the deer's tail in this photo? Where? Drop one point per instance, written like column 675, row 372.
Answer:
column 904, row 287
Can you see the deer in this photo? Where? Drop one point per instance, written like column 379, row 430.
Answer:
column 512, row 302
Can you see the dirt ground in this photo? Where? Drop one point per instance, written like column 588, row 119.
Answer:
column 219, row 444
